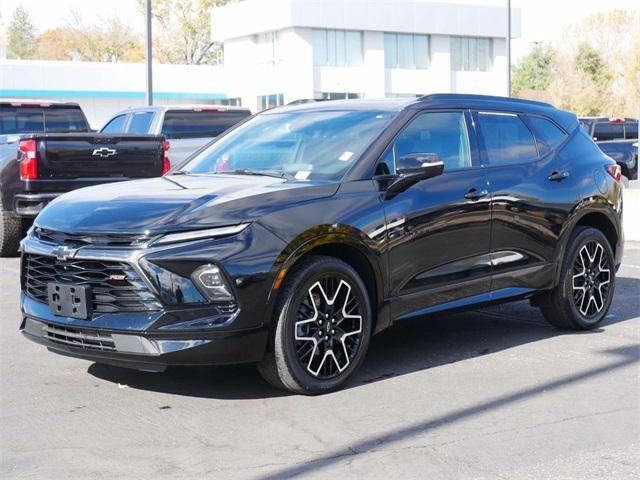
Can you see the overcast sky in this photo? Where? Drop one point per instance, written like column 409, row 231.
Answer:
column 542, row 20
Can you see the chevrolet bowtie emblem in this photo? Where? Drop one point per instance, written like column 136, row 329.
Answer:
column 64, row 252
column 104, row 152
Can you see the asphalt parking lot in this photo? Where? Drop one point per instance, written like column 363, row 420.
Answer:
column 495, row 393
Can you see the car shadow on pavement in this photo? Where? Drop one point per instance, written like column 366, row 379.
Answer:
column 409, row 346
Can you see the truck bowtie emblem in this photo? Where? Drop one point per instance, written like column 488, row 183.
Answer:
column 104, row 152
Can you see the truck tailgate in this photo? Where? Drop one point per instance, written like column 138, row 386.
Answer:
column 92, row 156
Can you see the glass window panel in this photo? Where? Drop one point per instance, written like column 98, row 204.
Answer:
column 140, row 123
column 421, row 51
column 507, row 139
column 548, row 136
column 320, row 47
column 484, row 54
column 456, row 53
column 354, row 48
column 331, row 47
column 442, row 133
column 473, row 54
column 405, row 51
column 390, row 50
column 341, row 48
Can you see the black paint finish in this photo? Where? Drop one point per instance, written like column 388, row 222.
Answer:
column 473, row 236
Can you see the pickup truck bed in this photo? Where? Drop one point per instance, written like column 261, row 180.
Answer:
column 36, row 168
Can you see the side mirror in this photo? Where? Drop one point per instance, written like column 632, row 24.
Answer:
column 414, row 168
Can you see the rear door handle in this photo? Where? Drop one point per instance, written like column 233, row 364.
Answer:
column 475, row 194
column 558, row 175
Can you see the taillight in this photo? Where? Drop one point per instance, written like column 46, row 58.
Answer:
column 166, row 163
column 29, row 162
column 615, row 171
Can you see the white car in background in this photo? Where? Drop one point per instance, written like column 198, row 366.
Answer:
column 187, row 127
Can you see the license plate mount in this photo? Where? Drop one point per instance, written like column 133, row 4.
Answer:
column 69, row 300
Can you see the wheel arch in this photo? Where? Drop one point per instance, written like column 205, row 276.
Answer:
column 354, row 249
column 600, row 219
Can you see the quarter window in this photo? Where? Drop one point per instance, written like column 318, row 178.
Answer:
column 440, row 133
column 548, row 136
column 507, row 139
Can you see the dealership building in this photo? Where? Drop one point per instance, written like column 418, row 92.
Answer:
column 278, row 51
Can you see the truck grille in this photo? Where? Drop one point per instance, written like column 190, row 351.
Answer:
column 77, row 337
column 81, row 239
column 115, row 287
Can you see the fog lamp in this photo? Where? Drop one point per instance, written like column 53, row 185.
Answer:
column 210, row 281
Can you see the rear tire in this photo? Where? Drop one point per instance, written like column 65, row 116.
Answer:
column 11, row 229
column 322, row 328
column 584, row 293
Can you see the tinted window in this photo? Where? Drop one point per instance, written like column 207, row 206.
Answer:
column 548, row 136
column 507, row 139
column 116, row 125
column 608, row 131
column 21, row 120
column 308, row 145
column 441, row 133
column 632, row 130
column 65, row 120
column 140, row 123
column 190, row 124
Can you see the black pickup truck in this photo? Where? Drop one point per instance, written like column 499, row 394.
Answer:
column 47, row 149
column 618, row 138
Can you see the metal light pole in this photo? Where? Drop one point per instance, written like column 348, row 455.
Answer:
column 148, row 55
column 508, row 48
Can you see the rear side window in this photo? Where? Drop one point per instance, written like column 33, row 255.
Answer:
column 507, row 139
column 608, row 131
column 65, row 120
column 631, row 130
column 116, row 125
column 194, row 124
column 21, row 120
column 548, row 135
column 140, row 123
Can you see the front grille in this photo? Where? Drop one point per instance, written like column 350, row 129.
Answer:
column 115, row 286
column 82, row 239
column 77, row 337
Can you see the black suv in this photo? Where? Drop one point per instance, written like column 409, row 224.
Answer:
column 298, row 234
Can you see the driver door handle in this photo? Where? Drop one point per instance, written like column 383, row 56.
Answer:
column 558, row 175
column 475, row 194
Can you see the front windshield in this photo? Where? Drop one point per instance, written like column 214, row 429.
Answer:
column 305, row 145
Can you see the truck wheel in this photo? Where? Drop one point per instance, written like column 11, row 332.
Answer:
column 584, row 293
column 10, row 232
column 322, row 328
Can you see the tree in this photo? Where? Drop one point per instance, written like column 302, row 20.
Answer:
column 535, row 70
column 56, row 44
column 182, row 31
column 590, row 62
column 107, row 40
column 22, row 35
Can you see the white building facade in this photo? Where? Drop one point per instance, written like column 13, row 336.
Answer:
column 284, row 50
column 279, row 51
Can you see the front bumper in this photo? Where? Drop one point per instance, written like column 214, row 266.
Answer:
column 168, row 334
column 139, row 349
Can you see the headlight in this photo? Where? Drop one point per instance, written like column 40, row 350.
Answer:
column 200, row 234
column 211, row 282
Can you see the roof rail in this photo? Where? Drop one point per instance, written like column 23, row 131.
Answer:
column 452, row 96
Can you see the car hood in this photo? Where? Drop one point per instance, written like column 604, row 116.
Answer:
column 176, row 203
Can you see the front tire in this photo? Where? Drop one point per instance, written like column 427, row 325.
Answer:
column 583, row 296
column 322, row 328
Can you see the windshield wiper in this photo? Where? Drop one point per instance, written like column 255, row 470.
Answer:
column 264, row 173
